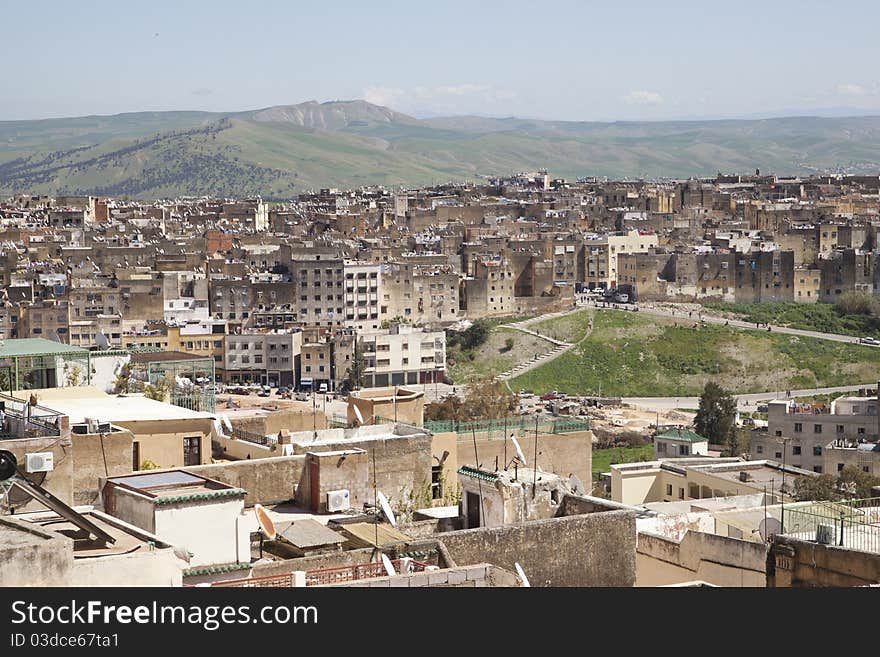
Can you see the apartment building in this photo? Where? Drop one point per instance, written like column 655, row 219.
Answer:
column 268, row 358
column 363, row 295
column 402, row 355
column 600, row 266
column 319, row 297
column 801, row 433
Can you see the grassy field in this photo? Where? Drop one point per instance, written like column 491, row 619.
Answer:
column 634, row 355
column 806, row 316
column 603, row 458
column 493, row 357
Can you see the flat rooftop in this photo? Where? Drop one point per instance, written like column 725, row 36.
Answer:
column 78, row 403
column 22, row 347
column 175, row 484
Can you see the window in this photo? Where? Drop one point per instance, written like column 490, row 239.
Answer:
column 681, row 493
column 817, row 468
column 866, row 468
column 779, row 432
column 669, row 490
column 798, row 427
column 839, row 428
column 817, row 428
column 778, row 455
column 839, row 467
column 760, row 449
column 817, row 450
column 795, row 450
column 436, row 482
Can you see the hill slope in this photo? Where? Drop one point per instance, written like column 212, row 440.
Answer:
column 279, row 151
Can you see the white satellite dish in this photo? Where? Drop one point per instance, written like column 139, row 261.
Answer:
column 226, row 422
column 522, row 575
column 265, row 522
column 358, row 415
column 389, row 567
column 102, row 340
column 519, row 451
column 577, row 486
column 386, row 508
column 769, row 527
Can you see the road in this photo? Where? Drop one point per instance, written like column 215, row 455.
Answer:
column 696, row 316
column 748, row 402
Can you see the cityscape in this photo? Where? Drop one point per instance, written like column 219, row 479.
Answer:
column 443, row 333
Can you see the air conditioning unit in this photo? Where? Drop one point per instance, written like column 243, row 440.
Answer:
column 39, row 462
column 338, row 500
column 92, row 423
column 825, row 534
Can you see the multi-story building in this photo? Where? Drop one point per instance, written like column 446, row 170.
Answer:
column 600, row 255
column 801, row 433
column 402, row 355
column 269, row 357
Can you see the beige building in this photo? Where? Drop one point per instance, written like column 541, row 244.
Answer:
column 600, row 255
column 667, row 480
column 402, row 355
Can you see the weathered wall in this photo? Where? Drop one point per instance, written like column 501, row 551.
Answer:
column 562, row 454
column 804, row 563
column 597, row 549
column 96, row 457
column 266, row 481
column 335, row 471
column 59, row 481
column 32, row 556
column 719, row 560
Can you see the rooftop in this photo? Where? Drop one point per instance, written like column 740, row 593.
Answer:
column 84, row 402
column 682, row 434
column 20, row 347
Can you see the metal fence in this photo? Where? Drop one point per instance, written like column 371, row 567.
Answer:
column 250, row 436
column 21, row 420
column 546, row 424
column 324, row 576
column 197, row 400
column 854, row 524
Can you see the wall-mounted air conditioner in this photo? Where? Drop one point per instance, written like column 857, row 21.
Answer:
column 39, row 462
column 338, row 500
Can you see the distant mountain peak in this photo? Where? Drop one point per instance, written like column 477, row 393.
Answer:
column 329, row 115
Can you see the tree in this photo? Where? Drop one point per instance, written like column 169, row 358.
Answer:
column 123, row 380
column 716, row 417
column 823, row 487
column 855, row 478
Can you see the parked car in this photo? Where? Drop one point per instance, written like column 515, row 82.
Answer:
column 266, row 391
column 322, row 387
column 869, row 340
column 550, row 396
column 302, row 395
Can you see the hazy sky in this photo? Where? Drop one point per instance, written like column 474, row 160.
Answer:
column 563, row 60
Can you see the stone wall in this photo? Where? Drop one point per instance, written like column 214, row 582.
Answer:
column 797, row 562
column 597, row 549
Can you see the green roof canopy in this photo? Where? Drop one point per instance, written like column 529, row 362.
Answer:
column 24, row 347
column 685, row 435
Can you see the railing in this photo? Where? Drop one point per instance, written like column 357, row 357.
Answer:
column 250, row 436
column 21, row 420
column 521, row 423
column 195, row 400
column 853, row 524
column 323, row 577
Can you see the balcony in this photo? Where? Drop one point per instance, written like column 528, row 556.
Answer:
column 24, row 421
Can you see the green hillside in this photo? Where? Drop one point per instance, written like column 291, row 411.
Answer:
column 280, row 151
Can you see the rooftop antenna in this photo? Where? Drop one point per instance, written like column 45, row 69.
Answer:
column 519, row 451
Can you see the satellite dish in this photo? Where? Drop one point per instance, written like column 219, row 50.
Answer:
column 519, row 451
column 102, row 340
column 522, row 575
column 265, row 522
column 577, row 486
column 769, row 527
column 389, row 567
column 386, row 508
column 226, row 422
column 358, row 415
column 8, row 465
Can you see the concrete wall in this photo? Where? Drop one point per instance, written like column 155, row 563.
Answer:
column 597, row 549
column 336, row 470
column 96, row 456
column 161, row 441
column 479, row 575
column 141, row 568
column 804, row 563
column 209, row 529
column 266, row 481
column 32, row 556
column 59, row 481
column 701, row 556
column 562, row 454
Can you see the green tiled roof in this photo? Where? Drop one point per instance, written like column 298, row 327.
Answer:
column 20, row 347
column 215, row 570
column 685, row 435
column 477, row 474
column 209, row 495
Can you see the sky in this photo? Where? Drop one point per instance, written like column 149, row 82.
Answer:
column 567, row 60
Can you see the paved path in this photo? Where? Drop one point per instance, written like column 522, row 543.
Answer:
column 560, row 347
column 744, row 402
column 668, row 310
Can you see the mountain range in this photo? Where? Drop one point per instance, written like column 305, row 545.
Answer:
column 278, row 152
